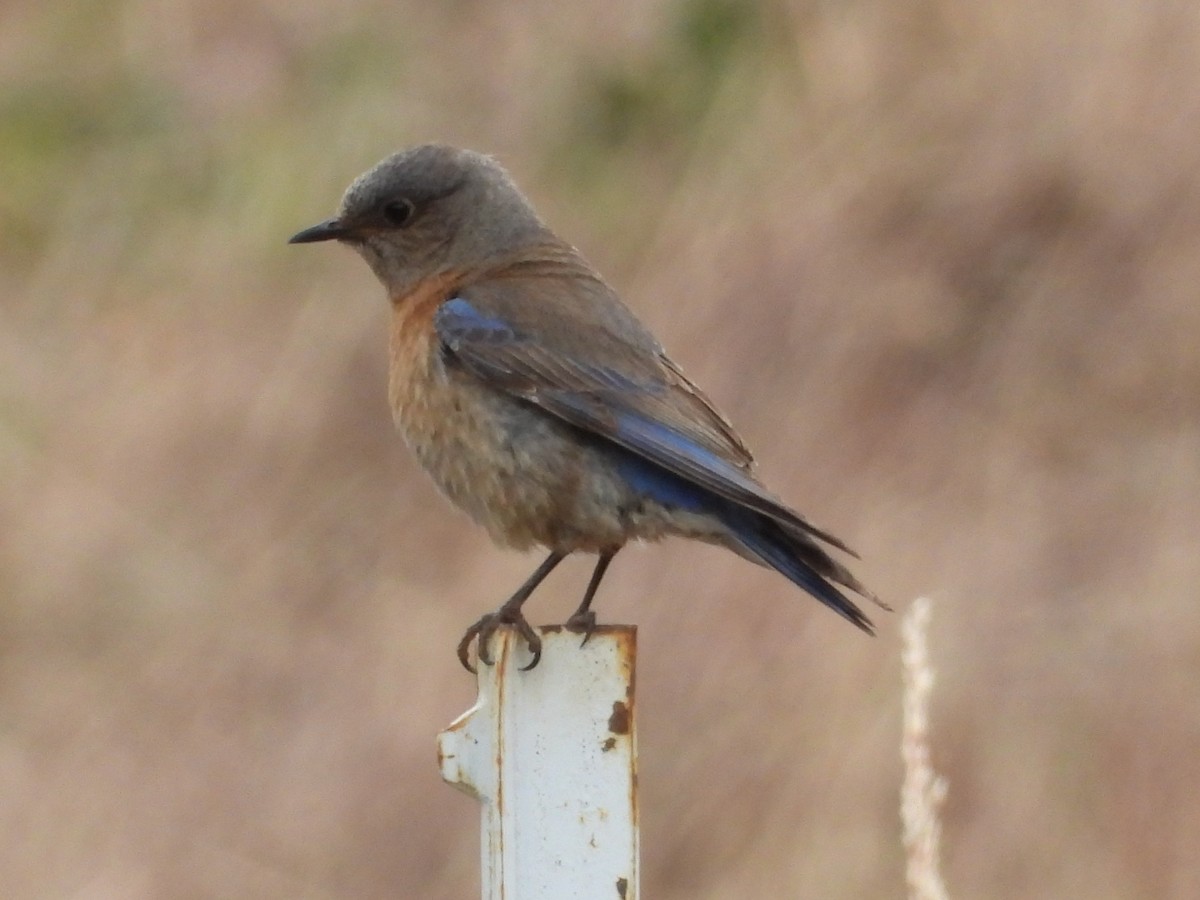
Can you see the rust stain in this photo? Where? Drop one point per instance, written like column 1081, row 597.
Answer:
column 619, row 721
column 628, row 655
column 622, row 887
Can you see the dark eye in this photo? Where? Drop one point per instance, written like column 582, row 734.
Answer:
column 399, row 212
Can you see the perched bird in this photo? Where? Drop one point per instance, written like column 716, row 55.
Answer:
column 536, row 400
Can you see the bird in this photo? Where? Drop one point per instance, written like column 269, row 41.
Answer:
column 538, row 402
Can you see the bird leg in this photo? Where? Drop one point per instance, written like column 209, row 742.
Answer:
column 509, row 614
column 583, row 619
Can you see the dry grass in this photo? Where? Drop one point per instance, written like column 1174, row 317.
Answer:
column 923, row 791
column 937, row 260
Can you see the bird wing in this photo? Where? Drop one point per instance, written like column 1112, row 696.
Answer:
column 572, row 349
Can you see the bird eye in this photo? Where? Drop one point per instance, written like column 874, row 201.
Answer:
column 399, row 212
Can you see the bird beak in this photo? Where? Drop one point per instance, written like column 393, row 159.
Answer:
column 329, row 230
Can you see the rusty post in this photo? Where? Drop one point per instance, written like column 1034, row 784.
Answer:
column 552, row 755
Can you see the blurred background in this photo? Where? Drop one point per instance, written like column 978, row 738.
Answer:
column 938, row 261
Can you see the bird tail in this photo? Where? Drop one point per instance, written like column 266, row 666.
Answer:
column 797, row 557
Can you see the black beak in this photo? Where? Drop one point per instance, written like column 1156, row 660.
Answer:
column 329, row 230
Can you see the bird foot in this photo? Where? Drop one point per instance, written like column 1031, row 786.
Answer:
column 487, row 626
column 584, row 621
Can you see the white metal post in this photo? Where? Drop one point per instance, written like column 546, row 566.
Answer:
column 552, row 755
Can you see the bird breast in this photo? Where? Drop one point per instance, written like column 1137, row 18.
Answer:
column 524, row 476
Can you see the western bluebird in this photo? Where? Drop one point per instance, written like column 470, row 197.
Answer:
column 538, row 403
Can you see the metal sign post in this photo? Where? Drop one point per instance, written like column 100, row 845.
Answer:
column 552, row 755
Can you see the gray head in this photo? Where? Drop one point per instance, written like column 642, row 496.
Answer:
column 428, row 210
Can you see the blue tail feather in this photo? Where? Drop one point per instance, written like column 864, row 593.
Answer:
column 791, row 553
column 786, row 553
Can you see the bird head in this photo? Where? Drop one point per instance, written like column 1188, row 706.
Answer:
column 427, row 211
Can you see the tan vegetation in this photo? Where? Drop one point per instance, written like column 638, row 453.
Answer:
column 937, row 260
column 923, row 792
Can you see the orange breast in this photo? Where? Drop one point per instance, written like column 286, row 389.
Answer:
column 412, row 341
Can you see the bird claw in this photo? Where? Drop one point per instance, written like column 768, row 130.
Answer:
column 583, row 621
column 486, row 627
